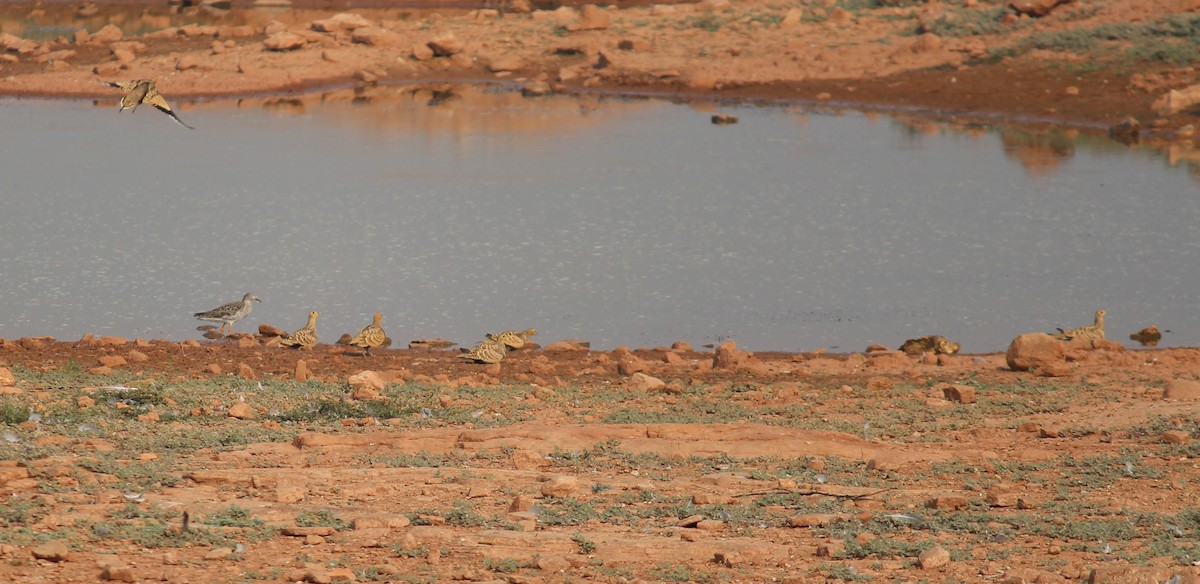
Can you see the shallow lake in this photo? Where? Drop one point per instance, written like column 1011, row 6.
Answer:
column 458, row 210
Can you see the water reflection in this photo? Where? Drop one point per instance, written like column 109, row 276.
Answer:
column 459, row 209
column 1042, row 150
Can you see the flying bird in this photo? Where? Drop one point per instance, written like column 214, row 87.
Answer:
column 513, row 339
column 141, row 91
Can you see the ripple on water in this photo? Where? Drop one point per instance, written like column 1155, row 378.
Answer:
column 637, row 223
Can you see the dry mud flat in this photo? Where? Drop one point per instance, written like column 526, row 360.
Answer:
column 652, row 465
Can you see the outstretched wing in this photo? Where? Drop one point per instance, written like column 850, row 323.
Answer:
column 125, row 86
column 157, row 100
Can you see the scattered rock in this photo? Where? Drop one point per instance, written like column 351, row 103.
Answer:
column 963, row 394
column 119, row 573
column 552, row 563
column 727, row 356
column 1126, row 131
column 792, row 18
column 187, row 62
column 565, row 345
column 1035, row 8
column 300, row 375
column 267, row 330
column 1177, row 437
column 1149, row 336
column 561, row 486
column 242, row 411
column 1182, row 389
column 107, row 34
column 340, row 22
column 421, row 52
column 934, row 557
column 367, row 379
column 642, row 382
column 53, row 56
column 284, row 41
column 528, row 460
column 949, row 502
column 52, row 551
column 317, row 576
column 592, row 17
column 377, row 37
column 1032, row 350
column 505, row 62
column 384, row 521
column 829, row 549
column 888, row 359
column 713, row 5
column 926, row 43
column 446, row 45
column 628, row 364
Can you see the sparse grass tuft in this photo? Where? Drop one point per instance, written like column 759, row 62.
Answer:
column 322, row 518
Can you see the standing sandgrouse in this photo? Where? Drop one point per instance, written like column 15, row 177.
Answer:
column 304, row 338
column 370, row 336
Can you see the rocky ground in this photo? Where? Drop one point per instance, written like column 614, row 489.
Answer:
column 1092, row 63
column 237, row 460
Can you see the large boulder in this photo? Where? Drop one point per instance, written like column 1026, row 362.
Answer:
column 1032, row 350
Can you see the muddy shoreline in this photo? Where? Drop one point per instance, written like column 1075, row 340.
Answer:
column 819, row 54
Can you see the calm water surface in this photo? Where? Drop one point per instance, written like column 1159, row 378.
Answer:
column 460, row 210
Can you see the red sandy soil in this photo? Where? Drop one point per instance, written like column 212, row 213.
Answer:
column 814, row 51
column 1042, row 466
column 1107, row 405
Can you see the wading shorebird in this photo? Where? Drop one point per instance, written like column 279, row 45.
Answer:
column 1092, row 331
column 227, row 314
column 304, row 338
column 370, row 336
column 489, row 351
column 513, row 339
column 141, row 91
